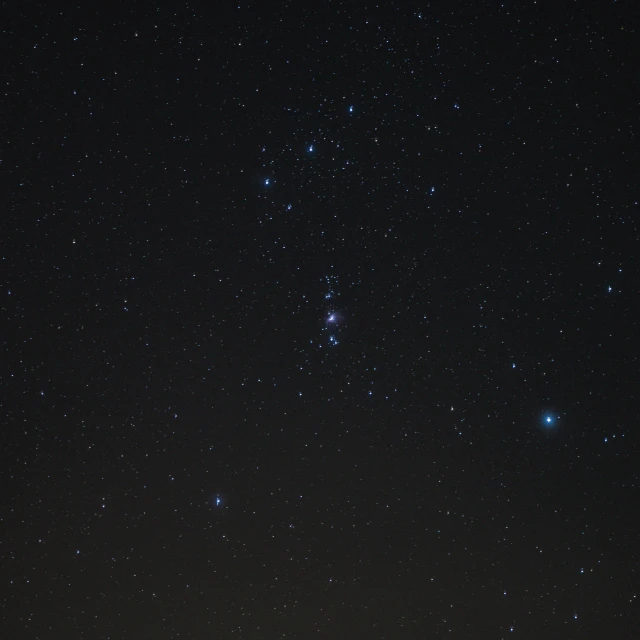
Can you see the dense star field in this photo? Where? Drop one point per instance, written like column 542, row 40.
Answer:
column 319, row 320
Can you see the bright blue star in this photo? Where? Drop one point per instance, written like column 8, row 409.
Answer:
column 350, row 109
column 267, row 181
column 310, row 148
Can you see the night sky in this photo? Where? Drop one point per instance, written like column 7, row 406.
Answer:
column 319, row 320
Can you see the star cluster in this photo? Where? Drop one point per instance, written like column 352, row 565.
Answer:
column 334, row 317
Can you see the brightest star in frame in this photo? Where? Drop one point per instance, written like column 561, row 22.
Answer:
column 549, row 418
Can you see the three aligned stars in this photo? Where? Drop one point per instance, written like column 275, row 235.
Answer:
column 310, row 148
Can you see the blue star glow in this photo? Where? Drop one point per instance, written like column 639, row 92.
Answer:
column 217, row 502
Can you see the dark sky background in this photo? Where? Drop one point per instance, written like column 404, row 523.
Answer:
column 319, row 320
